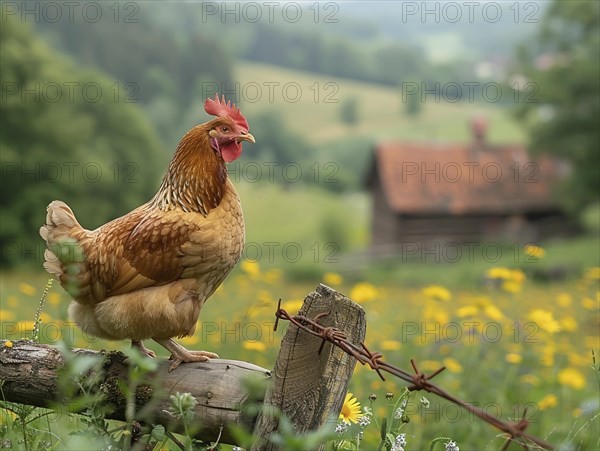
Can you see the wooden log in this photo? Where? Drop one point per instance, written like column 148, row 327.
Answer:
column 308, row 387
column 29, row 372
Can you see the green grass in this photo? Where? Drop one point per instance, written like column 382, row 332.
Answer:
column 479, row 371
column 564, row 260
column 316, row 113
column 300, row 214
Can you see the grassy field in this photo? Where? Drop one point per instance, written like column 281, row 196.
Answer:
column 514, row 334
column 509, row 342
column 310, row 105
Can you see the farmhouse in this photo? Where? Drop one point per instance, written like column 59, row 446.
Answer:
column 425, row 193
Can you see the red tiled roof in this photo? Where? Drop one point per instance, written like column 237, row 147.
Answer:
column 429, row 178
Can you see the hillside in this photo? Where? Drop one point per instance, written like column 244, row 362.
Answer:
column 310, row 105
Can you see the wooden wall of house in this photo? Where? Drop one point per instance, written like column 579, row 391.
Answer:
column 407, row 233
column 384, row 222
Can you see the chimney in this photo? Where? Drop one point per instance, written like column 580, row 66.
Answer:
column 478, row 129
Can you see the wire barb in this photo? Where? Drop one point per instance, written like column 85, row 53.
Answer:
column 417, row 379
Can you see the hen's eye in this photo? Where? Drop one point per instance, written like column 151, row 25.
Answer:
column 224, row 129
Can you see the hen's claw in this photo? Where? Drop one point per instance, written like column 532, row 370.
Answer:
column 143, row 349
column 180, row 355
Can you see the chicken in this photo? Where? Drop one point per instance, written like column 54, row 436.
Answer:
column 148, row 273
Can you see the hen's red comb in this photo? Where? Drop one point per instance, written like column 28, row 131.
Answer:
column 219, row 108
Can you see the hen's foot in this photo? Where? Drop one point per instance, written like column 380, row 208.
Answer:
column 180, row 355
column 143, row 349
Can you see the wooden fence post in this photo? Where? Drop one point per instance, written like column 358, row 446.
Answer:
column 308, row 387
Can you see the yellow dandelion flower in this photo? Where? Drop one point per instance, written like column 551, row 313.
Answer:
column 8, row 344
column 568, row 323
column 547, row 355
column 545, row 320
column 350, row 409
column 535, row 251
column 437, row 292
column 54, row 298
column 547, row 360
column 252, row 268
column 571, row 377
column 589, row 304
column 498, row 273
column 564, row 299
column 548, row 402
column 26, row 289
column 592, row 273
column 332, row 278
column 13, row 301
column 530, row 379
column 493, row 312
column 7, row 416
column 577, row 412
column 7, row 315
column 45, row 318
column 467, row 310
column 364, row 292
column 390, row 345
column 513, row 357
column 452, row 365
column 510, row 286
column 292, row 306
column 254, row 346
column 516, row 275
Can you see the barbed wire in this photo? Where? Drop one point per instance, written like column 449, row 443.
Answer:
column 419, row 381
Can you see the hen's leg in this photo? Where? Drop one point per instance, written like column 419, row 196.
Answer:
column 179, row 354
column 143, row 349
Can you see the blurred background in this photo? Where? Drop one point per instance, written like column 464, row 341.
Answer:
column 435, row 161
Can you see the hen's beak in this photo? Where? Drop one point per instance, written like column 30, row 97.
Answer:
column 245, row 136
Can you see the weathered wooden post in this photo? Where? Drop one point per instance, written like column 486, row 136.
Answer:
column 308, row 387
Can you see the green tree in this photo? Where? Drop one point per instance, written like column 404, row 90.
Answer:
column 563, row 66
column 412, row 106
column 65, row 133
column 349, row 111
column 161, row 67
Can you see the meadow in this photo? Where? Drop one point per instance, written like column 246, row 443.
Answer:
column 510, row 342
column 515, row 333
column 309, row 104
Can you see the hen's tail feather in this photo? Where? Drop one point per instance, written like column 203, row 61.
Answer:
column 64, row 257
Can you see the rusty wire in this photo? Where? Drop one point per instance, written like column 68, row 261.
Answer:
column 417, row 379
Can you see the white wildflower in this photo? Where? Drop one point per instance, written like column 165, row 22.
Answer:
column 399, row 413
column 364, row 421
column 342, row 427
